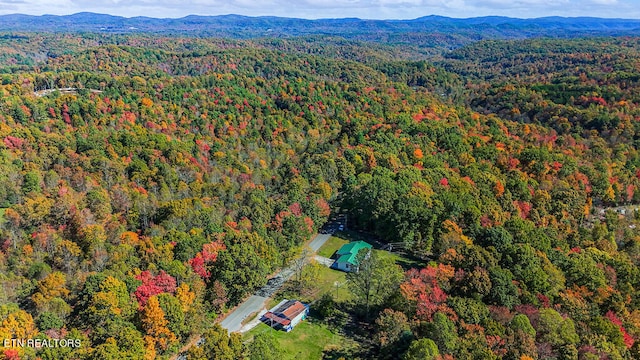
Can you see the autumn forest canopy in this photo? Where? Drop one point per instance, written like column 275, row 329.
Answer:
column 150, row 183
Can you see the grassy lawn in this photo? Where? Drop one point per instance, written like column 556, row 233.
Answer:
column 2, row 211
column 331, row 246
column 325, row 283
column 306, row 341
column 403, row 261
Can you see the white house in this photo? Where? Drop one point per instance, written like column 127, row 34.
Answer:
column 286, row 315
column 348, row 255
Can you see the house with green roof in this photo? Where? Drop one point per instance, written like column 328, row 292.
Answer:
column 347, row 255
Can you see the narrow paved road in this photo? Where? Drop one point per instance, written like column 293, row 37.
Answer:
column 318, row 241
column 233, row 321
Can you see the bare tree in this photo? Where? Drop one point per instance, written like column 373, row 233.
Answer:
column 299, row 262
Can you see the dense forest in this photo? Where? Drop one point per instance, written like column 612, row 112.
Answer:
column 422, row 33
column 148, row 184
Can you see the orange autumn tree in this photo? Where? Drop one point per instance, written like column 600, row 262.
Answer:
column 155, row 324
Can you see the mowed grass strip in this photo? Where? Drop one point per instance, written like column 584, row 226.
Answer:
column 307, row 340
column 331, row 246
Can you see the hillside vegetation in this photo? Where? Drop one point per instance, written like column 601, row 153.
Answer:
column 180, row 172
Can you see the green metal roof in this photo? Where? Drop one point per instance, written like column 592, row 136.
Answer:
column 347, row 258
column 348, row 252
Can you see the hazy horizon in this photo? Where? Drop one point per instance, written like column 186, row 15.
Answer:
column 323, row 9
column 322, row 18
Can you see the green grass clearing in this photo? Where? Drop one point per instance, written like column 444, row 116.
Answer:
column 401, row 260
column 307, row 340
column 2, row 211
column 324, row 283
column 331, row 246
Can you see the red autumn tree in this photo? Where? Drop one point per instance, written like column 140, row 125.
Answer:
column 628, row 339
column 425, row 288
column 153, row 285
column 209, row 254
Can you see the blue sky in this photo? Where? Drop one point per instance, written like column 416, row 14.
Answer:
column 312, row 9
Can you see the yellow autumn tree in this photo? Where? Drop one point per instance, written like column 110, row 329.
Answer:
column 16, row 324
column 146, row 102
column 66, row 254
column 155, row 324
column 587, row 206
column 52, row 286
column 129, row 238
column 453, row 236
column 185, row 296
column 498, row 189
column 609, row 194
column 111, row 301
column 325, row 190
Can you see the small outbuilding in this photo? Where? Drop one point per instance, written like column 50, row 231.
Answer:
column 347, row 255
column 286, row 315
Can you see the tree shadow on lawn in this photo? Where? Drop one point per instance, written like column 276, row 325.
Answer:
column 344, row 321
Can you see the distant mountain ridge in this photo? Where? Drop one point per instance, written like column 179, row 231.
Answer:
column 490, row 27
